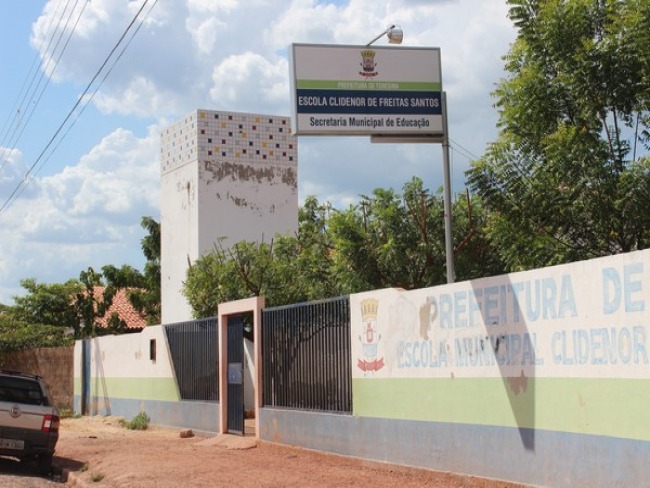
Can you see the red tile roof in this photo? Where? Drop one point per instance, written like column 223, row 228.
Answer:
column 121, row 305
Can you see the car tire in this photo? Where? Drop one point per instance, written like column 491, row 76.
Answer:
column 44, row 464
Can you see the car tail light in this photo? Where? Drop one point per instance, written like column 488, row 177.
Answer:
column 50, row 423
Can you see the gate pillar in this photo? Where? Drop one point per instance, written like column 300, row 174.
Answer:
column 246, row 305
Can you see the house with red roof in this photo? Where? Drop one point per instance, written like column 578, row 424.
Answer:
column 135, row 321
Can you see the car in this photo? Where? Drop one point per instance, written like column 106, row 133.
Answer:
column 29, row 423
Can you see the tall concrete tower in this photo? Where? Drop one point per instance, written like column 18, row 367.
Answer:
column 224, row 175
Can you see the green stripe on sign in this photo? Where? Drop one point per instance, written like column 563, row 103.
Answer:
column 367, row 85
column 163, row 389
column 610, row 407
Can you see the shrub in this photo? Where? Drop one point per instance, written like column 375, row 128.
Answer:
column 139, row 422
column 67, row 413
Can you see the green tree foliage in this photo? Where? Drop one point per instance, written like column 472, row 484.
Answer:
column 564, row 181
column 44, row 317
column 146, row 299
column 142, row 289
column 92, row 303
column 50, row 304
column 16, row 335
column 287, row 270
column 474, row 254
column 387, row 240
column 390, row 240
column 47, row 313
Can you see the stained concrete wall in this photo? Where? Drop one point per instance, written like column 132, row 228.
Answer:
column 540, row 377
column 125, row 380
column 225, row 177
column 558, row 459
column 179, row 238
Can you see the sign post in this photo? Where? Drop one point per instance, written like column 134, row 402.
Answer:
column 392, row 94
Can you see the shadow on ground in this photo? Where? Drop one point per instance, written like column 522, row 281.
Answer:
column 26, row 469
column 61, row 466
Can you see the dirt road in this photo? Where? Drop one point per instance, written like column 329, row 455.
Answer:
column 100, row 453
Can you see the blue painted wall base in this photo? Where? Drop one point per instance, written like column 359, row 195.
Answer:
column 196, row 415
column 534, row 457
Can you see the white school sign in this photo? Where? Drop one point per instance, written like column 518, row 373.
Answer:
column 360, row 90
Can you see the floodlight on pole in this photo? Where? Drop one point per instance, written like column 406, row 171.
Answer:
column 394, row 34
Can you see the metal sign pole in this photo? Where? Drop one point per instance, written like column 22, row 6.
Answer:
column 446, row 186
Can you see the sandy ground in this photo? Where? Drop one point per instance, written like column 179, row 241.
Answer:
column 97, row 451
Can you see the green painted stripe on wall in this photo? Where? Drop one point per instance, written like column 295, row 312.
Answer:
column 378, row 86
column 163, row 389
column 610, row 407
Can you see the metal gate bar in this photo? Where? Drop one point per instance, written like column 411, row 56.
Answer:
column 306, row 356
column 236, row 360
column 194, row 351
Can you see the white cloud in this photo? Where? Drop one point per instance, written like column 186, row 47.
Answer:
column 227, row 54
column 11, row 167
column 205, row 33
column 247, row 81
column 86, row 215
column 140, row 97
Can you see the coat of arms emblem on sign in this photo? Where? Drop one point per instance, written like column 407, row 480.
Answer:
column 368, row 64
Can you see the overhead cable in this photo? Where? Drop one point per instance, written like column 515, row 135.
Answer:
column 80, row 99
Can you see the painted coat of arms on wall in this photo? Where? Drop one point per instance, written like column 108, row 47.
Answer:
column 370, row 337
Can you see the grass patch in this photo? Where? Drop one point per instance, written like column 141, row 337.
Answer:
column 67, row 413
column 139, row 422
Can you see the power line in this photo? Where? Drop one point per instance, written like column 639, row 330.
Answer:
column 463, row 150
column 35, row 102
column 92, row 95
column 83, row 97
column 15, row 114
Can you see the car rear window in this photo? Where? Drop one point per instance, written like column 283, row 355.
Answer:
column 21, row 390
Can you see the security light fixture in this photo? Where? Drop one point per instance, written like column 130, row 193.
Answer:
column 394, row 34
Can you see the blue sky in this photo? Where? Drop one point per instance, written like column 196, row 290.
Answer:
column 83, row 202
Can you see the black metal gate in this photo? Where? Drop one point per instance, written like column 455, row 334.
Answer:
column 194, row 350
column 235, row 374
column 306, row 356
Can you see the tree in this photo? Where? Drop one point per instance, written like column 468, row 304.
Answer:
column 289, row 269
column 16, row 335
column 50, row 304
column 474, row 254
column 308, row 258
column 142, row 289
column 390, row 240
column 55, row 314
column 92, row 302
column 564, row 181
column 77, row 305
column 385, row 241
column 147, row 299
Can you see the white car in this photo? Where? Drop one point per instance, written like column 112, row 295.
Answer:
column 29, row 424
